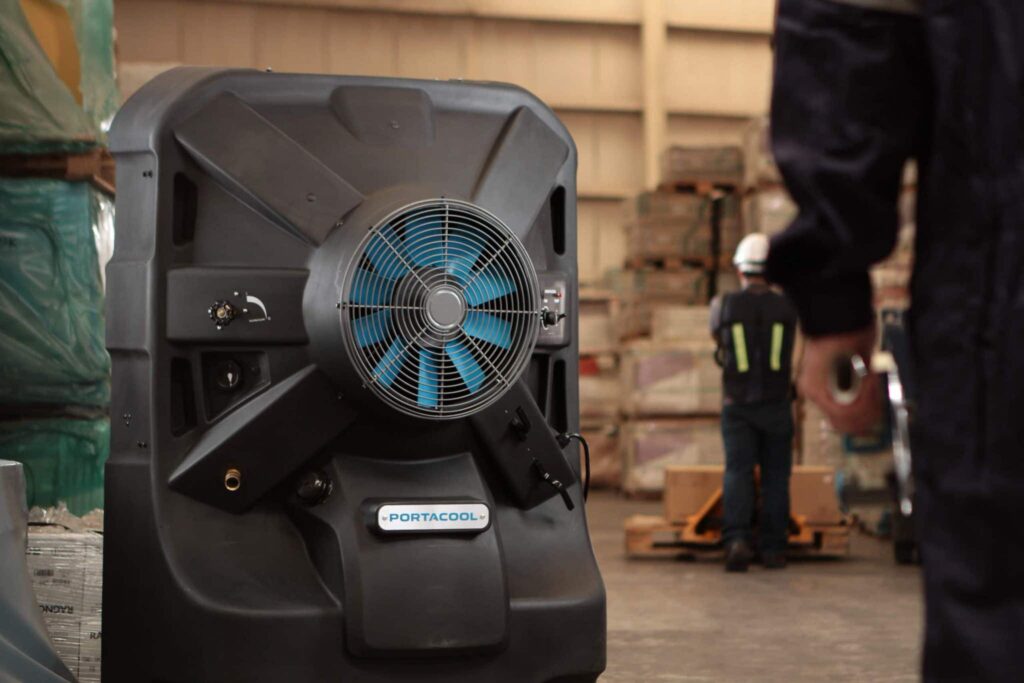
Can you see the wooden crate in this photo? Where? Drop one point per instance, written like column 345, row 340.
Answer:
column 670, row 379
column 605, row 460
column 769, row 210
column 673, row 322
column 758, row 164
column 641, row 291
column 649, row 446
column 681, row 164
column 599, row 318
column 599, row 386
column 684, row 237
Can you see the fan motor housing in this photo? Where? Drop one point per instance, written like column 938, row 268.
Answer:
column 429, row 306
column 342, row 321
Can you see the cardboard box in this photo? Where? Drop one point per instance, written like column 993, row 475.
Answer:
column 812, row 494
column 688, row 488
column 811, row 490
column 605, row 461
column 670, row 379
column 67, row 576
column 650, row 446
column 820, row 444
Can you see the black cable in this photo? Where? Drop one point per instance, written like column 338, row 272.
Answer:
column 586, row 462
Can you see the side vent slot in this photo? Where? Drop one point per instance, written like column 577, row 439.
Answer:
column 537, row 375
column 183, row 216
column 183, row 397
column 558, row 415
column 558, row 220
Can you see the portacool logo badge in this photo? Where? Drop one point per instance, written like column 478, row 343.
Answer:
column 433, row 517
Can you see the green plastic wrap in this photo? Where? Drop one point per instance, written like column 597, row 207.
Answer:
column 38, row 114
column 93, row 22
column 52, row 348
column 63, row 460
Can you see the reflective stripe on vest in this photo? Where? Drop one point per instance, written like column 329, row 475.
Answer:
column 778, row 330
column 739, row 343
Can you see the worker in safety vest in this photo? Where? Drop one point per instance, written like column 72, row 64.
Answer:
column 754, row 329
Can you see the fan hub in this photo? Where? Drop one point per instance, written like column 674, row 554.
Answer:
column 446, row 308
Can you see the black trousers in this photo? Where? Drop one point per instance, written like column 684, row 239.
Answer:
column 757, row 434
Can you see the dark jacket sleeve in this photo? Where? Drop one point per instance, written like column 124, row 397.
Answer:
column 848, row 110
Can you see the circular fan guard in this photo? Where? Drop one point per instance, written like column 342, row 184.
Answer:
column 441, row 309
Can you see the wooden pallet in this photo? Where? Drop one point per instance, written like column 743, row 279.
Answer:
column 701, row 186
column 701, row 531
column 676, row 262
column 649, row 536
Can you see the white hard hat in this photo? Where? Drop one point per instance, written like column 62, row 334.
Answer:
column 751, row 254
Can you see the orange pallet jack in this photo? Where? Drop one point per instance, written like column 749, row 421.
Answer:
column 817, row 527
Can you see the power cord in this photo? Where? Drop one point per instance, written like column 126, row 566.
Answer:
column 563, row 441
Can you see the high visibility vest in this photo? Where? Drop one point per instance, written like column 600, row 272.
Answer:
column 756, row 333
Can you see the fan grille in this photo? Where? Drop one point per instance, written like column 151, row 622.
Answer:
column 441, row 309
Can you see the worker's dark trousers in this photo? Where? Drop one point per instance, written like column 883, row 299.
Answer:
column 969, row 511
column 757, row 434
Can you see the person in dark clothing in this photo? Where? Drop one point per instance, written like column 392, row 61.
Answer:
column 860, row 87
column 754, row 330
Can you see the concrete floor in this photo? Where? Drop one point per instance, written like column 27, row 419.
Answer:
column 857, row 619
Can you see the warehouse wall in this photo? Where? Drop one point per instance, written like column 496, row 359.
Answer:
column 626, row 76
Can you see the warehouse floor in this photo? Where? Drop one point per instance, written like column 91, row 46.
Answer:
column 857, row 619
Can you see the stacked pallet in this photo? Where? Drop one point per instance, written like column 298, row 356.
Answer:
column 680, row 237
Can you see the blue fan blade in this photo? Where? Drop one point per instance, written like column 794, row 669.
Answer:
column 488, row 328
column 488, row 285
column 388, row 367
column 469, row 370
column 371, row 289
column 371, row 329
column 382, row 251
column 424, row 242
column 426, row 390
column 463, row 252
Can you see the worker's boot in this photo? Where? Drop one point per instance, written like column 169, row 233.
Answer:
column 737, row 556
column 773, row 559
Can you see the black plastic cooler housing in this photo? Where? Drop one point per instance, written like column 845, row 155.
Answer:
column 248, row 460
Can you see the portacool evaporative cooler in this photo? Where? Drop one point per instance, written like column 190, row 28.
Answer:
column 342, row 316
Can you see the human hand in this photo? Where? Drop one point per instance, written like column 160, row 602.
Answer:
column 821, row 354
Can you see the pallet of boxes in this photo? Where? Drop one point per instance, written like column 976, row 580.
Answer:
column 679, row 237
column 599, row 317
column 672, row 442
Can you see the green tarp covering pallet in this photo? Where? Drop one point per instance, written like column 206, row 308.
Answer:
column 53, row 361
column 51, row 298
column 63, row 459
